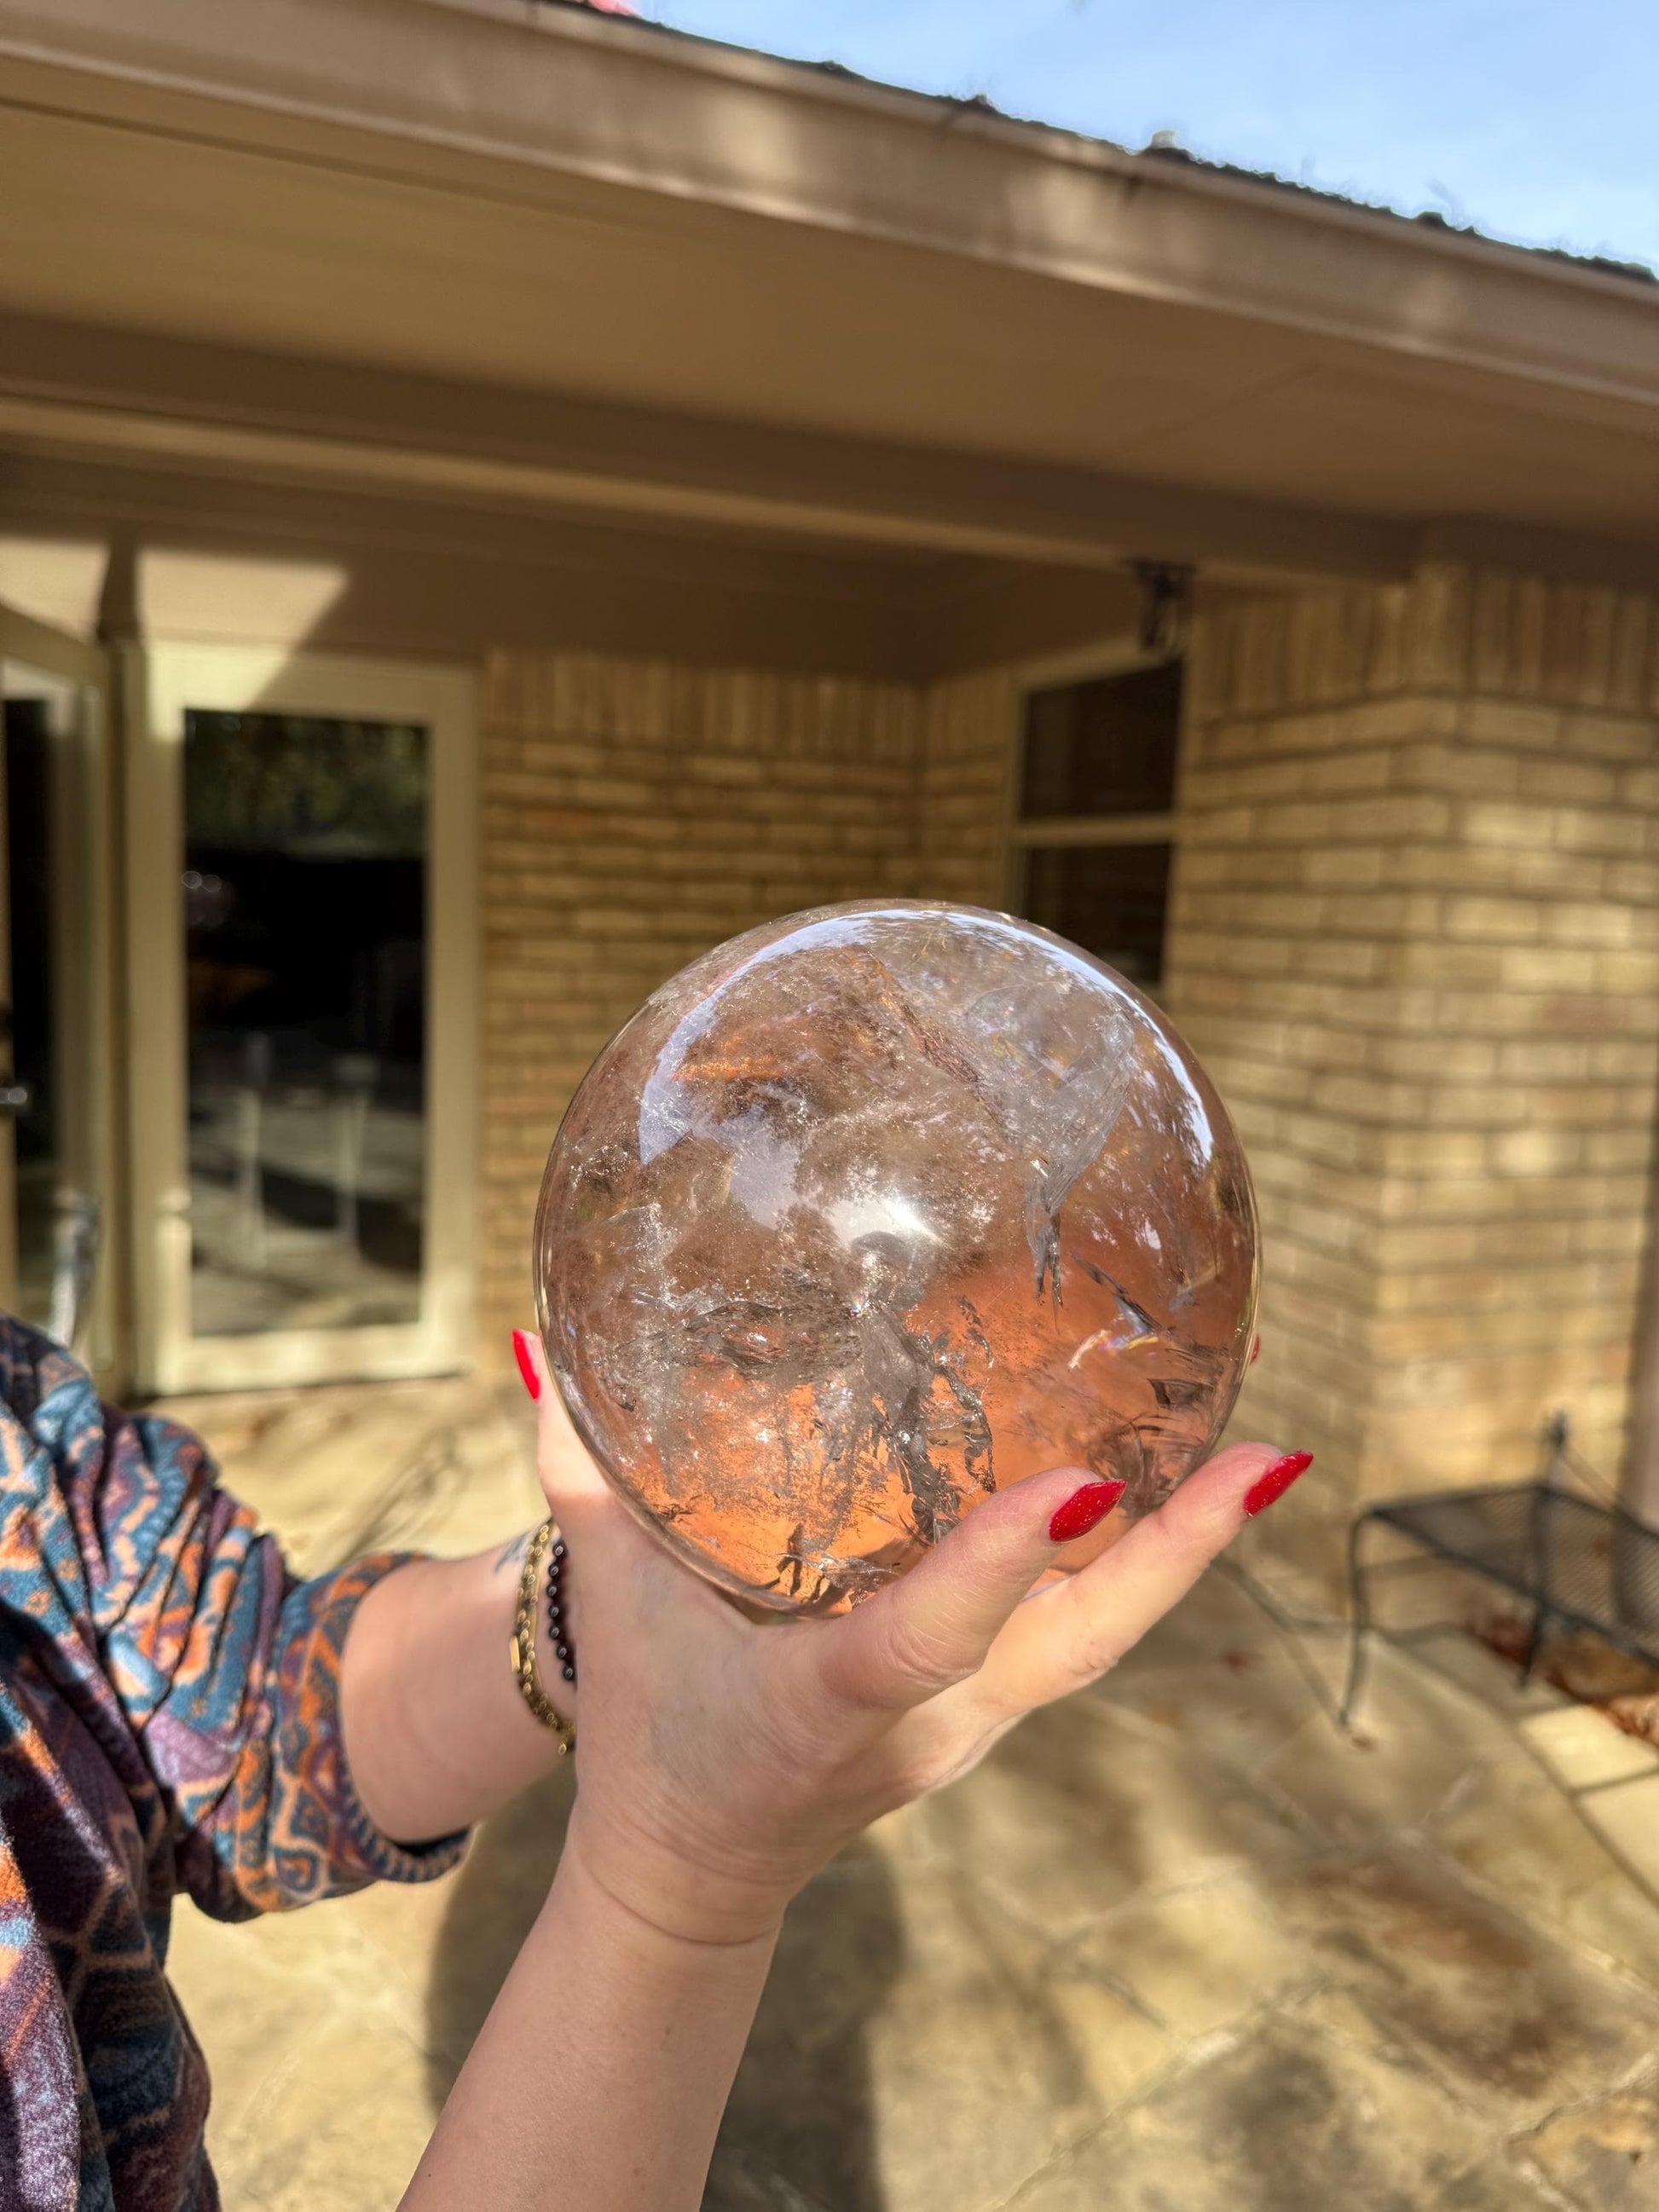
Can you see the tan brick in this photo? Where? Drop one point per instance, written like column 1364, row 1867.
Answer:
column 1633, row 974
column 1559, row 781
column 1619, row 740
column 1482, row 772
column 1548, row 967
column 1635, row 880
column 1615, row 926
column 1632, row 627
column 1582, row 830
column 1503, row 722
column 1348, row 867
column 1384, row 662
column 1437, row 626
column 1513, row 921
column 1507, row 826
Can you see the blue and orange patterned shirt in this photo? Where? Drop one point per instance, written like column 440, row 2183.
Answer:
column 170, row 1719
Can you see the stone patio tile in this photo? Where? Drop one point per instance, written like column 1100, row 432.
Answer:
column 739, row 2183
column 1626, row 1817
column 1476, row 1667
column 1415, row 1740
column 1583, row 1749
column 1604, row 2155
column 1117, row 2050
column 488, row 1904
column 1084, row 1807
column 1198, row 1961
column 1513, row 1830
column 1217, row 1619
column 1285, row 2119
column 338, row 2128
column 1494, row 2186
column 1513, row 2023
column 1236, row 1708
column 915, row 2049
column 249, row 2013
column 445, row 1464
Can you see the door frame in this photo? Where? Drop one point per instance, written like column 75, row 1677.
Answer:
column 85, row 906
column 159, row 682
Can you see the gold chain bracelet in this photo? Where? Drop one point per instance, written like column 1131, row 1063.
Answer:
column 523, row 1642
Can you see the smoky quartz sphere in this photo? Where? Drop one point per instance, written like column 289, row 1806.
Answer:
column 875, row 1211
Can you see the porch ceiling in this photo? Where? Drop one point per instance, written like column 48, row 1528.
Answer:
column 569, row 262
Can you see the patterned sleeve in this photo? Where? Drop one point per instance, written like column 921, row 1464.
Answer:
column 225, row 1670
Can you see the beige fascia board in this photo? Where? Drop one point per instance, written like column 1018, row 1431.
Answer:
column 1078, row 521
column 77, row 393
column 497, row 94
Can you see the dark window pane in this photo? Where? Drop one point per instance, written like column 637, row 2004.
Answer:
column 305, row 898
column 1106, row 747
column 1109, row 899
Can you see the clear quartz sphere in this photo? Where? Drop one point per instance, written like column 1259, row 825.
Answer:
column 876, row 1209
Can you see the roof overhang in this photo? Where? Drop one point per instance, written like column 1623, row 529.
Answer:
column 520, row 255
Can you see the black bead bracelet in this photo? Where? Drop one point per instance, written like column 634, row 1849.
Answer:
column 564, row 1650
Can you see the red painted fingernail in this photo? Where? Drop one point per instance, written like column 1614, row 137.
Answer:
column 1274, row 1481
column 526, row 1359
column 1084, row 1510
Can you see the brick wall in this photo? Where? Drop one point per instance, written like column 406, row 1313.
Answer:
column 633, row 816
column 1415, row 938
column 967, row 733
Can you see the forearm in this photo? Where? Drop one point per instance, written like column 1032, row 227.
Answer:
column 436, row 1733
column 599, row 2079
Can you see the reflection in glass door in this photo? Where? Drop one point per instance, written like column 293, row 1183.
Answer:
column 304, row 912
column 303, row 1115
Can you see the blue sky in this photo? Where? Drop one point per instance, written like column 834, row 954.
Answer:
column 1537, row 120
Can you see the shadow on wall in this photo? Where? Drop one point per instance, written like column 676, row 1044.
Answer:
column 798, row 2130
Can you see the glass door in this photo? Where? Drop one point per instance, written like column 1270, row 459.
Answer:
column 57, row 1142
column 302, row 879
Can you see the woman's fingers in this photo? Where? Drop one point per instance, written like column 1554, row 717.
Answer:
column 572, row 1483
column 918, row 1635
column 1069, row 1635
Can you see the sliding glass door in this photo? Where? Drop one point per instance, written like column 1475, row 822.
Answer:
column 302, row 888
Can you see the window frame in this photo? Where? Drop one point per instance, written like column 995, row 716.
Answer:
column 1022, row 834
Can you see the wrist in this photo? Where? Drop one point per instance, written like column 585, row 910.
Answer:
column 665, row 1902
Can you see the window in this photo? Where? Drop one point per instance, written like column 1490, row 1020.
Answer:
column 1094, row 827
column 305, row 921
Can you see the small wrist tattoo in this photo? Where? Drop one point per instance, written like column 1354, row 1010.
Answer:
column 511, row 1554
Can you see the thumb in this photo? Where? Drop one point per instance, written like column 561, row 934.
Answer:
column 570, row 1478
column 934, row 1627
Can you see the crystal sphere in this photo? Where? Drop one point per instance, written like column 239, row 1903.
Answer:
column 874, row 1211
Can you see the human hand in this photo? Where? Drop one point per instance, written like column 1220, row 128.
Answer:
column 722, row 1760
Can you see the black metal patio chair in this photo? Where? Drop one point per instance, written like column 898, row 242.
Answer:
column 1577, row 1564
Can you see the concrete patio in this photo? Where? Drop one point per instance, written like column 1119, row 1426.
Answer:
column 1178, row 1947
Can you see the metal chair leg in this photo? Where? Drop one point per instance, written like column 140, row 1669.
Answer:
column 1535, row 1645
column 1359, row 1622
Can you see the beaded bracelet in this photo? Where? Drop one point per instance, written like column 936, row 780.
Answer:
column 524, row 1632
